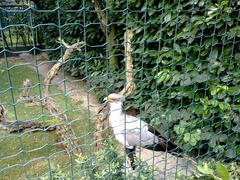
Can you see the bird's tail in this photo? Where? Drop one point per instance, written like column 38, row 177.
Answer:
column 166, row 146
column 174, row 149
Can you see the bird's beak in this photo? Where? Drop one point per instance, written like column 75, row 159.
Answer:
column 105, row 103
column 105, row 99
column 108, row 99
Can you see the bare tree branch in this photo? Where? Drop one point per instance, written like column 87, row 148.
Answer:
column 64, row 130
column 54, row 70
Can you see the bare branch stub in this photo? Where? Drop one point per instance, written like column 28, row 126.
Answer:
column 3, row 114
column 26, row 88
column 129, row 88
column 25, row 96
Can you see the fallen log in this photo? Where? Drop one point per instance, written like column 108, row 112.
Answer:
column 18, row 126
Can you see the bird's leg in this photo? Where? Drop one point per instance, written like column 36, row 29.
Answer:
column 131, row 155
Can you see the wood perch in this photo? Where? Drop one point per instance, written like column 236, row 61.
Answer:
column 26, row 88
column 129, row 88
column 54, row 70
column 64, row 130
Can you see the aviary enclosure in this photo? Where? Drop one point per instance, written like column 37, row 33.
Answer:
column 176, row 63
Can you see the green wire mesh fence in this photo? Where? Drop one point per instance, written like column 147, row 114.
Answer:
column 176, row 62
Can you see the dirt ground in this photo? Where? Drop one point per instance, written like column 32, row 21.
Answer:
column 166, row 165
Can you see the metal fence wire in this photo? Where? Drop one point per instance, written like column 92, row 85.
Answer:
column 169, row 74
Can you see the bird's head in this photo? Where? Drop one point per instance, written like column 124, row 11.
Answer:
column 114, row 98
column 115, row 101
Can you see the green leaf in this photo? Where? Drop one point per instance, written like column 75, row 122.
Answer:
column 236, row 129
column 230, row 153
column 214, row 54
column 224, row 2
column 214, row 91
column 201, row 78
column 186, row 137
column 205, row 169
column 167, row 18
column 222, row 171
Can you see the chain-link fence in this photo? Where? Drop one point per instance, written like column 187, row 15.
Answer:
column 173, row 64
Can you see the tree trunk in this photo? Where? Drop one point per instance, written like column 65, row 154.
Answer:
column 113, row 60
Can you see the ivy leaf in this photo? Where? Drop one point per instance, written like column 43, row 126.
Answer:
column 201, row 78
column 167, row 18
column 222, row 171
column 205, row 170
column 214, row 54
column 236, row 129
column 186, row 137
column 230, row 153
column 186, row 80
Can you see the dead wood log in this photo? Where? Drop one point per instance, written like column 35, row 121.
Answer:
column 64, row 130
column 54, row 70
column 18, row 126
column 130, row 86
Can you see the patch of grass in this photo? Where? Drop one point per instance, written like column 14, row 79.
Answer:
column 32, row 154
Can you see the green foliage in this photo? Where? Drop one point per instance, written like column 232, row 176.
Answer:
column 56, row 174
column 190, row 75
column 105, row 164
column 186, row 62
column 109, row 164
column 215, row 171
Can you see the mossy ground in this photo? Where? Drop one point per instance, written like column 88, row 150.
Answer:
column 32, row 154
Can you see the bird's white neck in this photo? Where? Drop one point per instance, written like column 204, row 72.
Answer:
column 115, row 115
column 116, row 107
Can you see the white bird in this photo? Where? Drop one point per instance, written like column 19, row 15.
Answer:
column 131, row 132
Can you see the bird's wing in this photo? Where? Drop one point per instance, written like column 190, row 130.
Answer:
column 137, row 133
